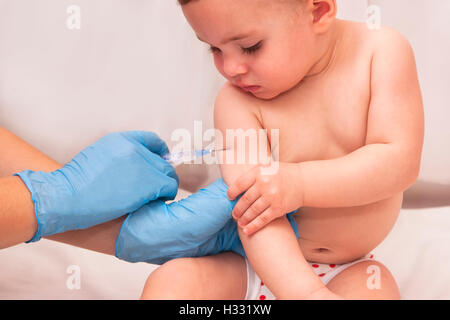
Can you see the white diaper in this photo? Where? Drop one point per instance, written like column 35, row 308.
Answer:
column 256, row 290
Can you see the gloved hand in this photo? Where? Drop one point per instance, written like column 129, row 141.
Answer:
column 116, row 175
column 198, row 225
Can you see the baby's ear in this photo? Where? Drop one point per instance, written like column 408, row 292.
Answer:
column 324, row 13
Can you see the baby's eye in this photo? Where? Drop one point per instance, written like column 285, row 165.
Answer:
column 214, row 49
column 252, row 49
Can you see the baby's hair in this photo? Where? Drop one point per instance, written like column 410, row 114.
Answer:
column 183, row 2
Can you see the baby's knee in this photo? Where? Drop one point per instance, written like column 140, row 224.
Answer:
column 367, row 280
column 174, row 280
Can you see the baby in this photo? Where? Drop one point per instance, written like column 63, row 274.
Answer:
column 347, row 103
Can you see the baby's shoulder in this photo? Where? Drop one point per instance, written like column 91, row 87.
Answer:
column 376, row 39
column 235, row 108
column 229, row 92
column 232, row 99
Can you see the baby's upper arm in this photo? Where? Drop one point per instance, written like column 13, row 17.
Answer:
column 236, row 117
column 396, row 113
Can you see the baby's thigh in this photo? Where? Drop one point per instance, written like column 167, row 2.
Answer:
column 367, row 280
column 222, row 276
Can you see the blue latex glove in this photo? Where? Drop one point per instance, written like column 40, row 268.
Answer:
column 116, row 175
column 198, row 225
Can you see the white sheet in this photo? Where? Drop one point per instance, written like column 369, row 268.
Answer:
column 417, row 252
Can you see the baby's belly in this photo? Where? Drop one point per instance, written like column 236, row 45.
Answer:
column 339, row 235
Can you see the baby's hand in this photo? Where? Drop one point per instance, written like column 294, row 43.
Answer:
column 267, row 196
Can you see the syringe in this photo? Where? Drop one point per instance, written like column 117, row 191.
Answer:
column 188, row 156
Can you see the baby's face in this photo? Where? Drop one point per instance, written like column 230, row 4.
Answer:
column 262, row 46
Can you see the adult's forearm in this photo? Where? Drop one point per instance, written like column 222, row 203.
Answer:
column 17, row 219
column 17, row 155
column 367, row 175
column 100, row 238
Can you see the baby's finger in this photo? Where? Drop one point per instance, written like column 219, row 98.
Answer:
column 247, row 199
column 243, row 183
column 259, row 222
column 254, row 211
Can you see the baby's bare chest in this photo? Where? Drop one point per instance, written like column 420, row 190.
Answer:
column 320, row 120
column 324, row 120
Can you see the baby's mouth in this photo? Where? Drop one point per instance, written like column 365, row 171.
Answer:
column 251, row 89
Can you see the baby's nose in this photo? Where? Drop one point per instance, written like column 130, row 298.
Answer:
column 234, row 68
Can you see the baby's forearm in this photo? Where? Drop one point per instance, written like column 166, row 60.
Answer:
column 274, row 252
column 367, row 175
column 276, row 257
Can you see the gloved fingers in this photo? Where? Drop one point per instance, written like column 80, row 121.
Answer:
column 203, row 213
column 149, row 140
column 167, row 190
column 198, row 225
column 157, row 233
column 207, row 214
column 158, row 163
column 157, row 147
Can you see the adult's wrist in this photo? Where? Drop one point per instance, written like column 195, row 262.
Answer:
column 29, row 224
column 29, row 178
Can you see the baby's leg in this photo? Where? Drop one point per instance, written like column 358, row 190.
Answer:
column 218, row 277
column 367, row 280
column 224, row 276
